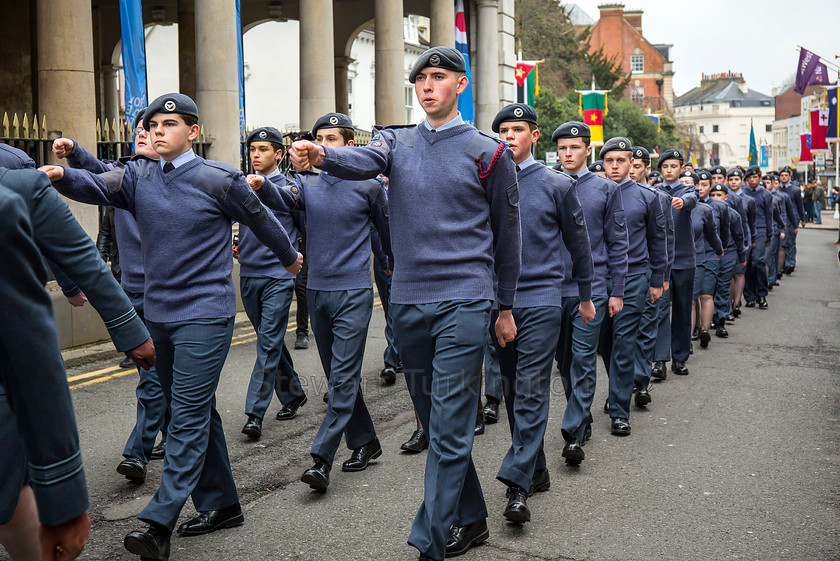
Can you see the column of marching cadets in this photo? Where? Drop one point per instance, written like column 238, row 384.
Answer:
column 488, row 264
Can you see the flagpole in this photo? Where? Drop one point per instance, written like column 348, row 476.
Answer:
column 821, row 58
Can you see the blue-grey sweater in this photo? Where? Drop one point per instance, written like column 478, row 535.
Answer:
column 792, row 190
column 705, row 228
column 736, row 201
column 646, row 231
column 185, row 228
column 721, row 210
column 684, row 253
column 339, row 214
column 763, row 208
column 450, row 228
column 549, row 207
column 736, row 246
column 607, row 229
column 670, row 238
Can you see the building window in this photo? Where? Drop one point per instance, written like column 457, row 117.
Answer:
column 701, row 129
column 637, row 94
column 768, row 128
column 715, row 128
column 409, row 104
column 637, row 63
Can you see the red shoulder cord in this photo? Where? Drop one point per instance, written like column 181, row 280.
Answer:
column 484, row 173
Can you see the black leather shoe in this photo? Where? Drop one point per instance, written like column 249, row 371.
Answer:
column 517, row 510
column 361, row 457
column 770, row 286
column 417, row 443
column 127, row 362
column 318, row 476
column 302, row 341
column 159, row 451
column 750, row 304
column 620, row 427
column 388, row 375
column 151, row 544
column 289, row 410
column 730, row 318
column 253, row 428
column 326, row 397
column 491, row 411
column 133, row 469
column 705, row 337
column 462, row 538
column 424, row 557
column 587, row 434
column 679, row 368
column 479, row 422
column 721, row 332
column 658, row 371
column 540, row 482
column 762, row 303
column 776, row 283
column 695, row 334
column 607, row 407
column 207, row 522
column 573, row 452
column 736, row 312
column 643, row 398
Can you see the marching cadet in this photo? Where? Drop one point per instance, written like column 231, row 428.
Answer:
column 735, row 253
column 152, row 411
column 707, row 221
column 755, row 286
column 184, row 205
column 647, row 259
column 746, row 208
column 549, row 207
column 791, row 188
column 446, row 238
column 787, row 208
column 338, row 215
column 267, row 290
column 577, row 347
column 648, row 324
column 673, row 341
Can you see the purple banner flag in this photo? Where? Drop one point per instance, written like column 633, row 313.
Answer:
column 810, row 71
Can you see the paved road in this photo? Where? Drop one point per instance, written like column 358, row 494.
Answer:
column 739, row 460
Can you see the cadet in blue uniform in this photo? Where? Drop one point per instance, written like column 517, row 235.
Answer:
column 791, row 188
column 577, row 347
column 267, row 290
column 339, row 215
column 184, row 206
column 673, row 340
column 735, row 252
column 15, row 158
column 648, row 324
column 447, row 238
column 647, row 259
column 787, row 215
column 549, row 208
column 152, row 411
column 746, row 208
column 755, row 286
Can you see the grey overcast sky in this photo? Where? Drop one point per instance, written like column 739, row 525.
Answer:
column 755, row 37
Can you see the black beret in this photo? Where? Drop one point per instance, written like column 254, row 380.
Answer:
column 787, row 169
column 572, row 129
column 514, row 112
column 596, row 166
column 439, row 57
column 734, row 172
column 718, row 170
column 641, row 153
column 332, row 121
column 265, row 134
column 138, row 119
column 752, row 170
column 670, row 155
column 692, row 174
column 704, row 175
column 655, row 173
column 173, row 103
column 616, row 144
column 719, row 187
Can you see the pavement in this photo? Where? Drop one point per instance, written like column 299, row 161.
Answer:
column 738, row 460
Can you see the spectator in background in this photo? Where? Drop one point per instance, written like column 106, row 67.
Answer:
column 818, row 196
column 808, row 202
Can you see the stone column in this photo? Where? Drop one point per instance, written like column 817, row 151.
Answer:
column 186, row 46
column 217, row 79
column 66, row 84
column 110, row 93
column 317, row 75
column 488, row 64
column 443, row 23
column 389, row 88
column 342, row 85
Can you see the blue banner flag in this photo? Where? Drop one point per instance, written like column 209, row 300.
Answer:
column 833, row 133
column 752, row 158
column 655, row 118
column 133, row 47
column 241, row 63
column 765, row 156
column 465, row 100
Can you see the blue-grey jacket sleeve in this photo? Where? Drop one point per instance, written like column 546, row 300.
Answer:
column 710, row 232
column 279, row 196
column 750, row 203
column 241, row 204
column 379, row 217
column 360, row 162
column 376, row 247
column 689, row 198
column 615, row 237
column 573, row 228
column 723, row 212
column 68, row 287
column 670, row 233
column 790, row 210
column 737, row 231
column 657, row 251
column 767, row 201
column 32, row 372
column 114, row 187
column 82, row 159
column 777, row 215
column 502, row 191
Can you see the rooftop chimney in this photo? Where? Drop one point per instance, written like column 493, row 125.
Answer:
column 634, row 18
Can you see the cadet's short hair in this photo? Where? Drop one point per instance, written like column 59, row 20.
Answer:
column 347, row 135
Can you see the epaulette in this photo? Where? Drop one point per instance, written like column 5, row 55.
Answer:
column 557, row 178
column 404, row 134
column 215, row 177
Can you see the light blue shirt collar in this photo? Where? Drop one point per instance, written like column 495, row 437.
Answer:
column 453, row 123
column 180, row 160
column 581, row 173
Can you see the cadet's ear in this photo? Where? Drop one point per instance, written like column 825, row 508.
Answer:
column 194, row 130
column 463, row 82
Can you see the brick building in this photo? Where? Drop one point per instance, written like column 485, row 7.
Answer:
column 619, row 33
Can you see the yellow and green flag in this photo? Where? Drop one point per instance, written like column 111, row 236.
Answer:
column 593, row 107
column 527, row 81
